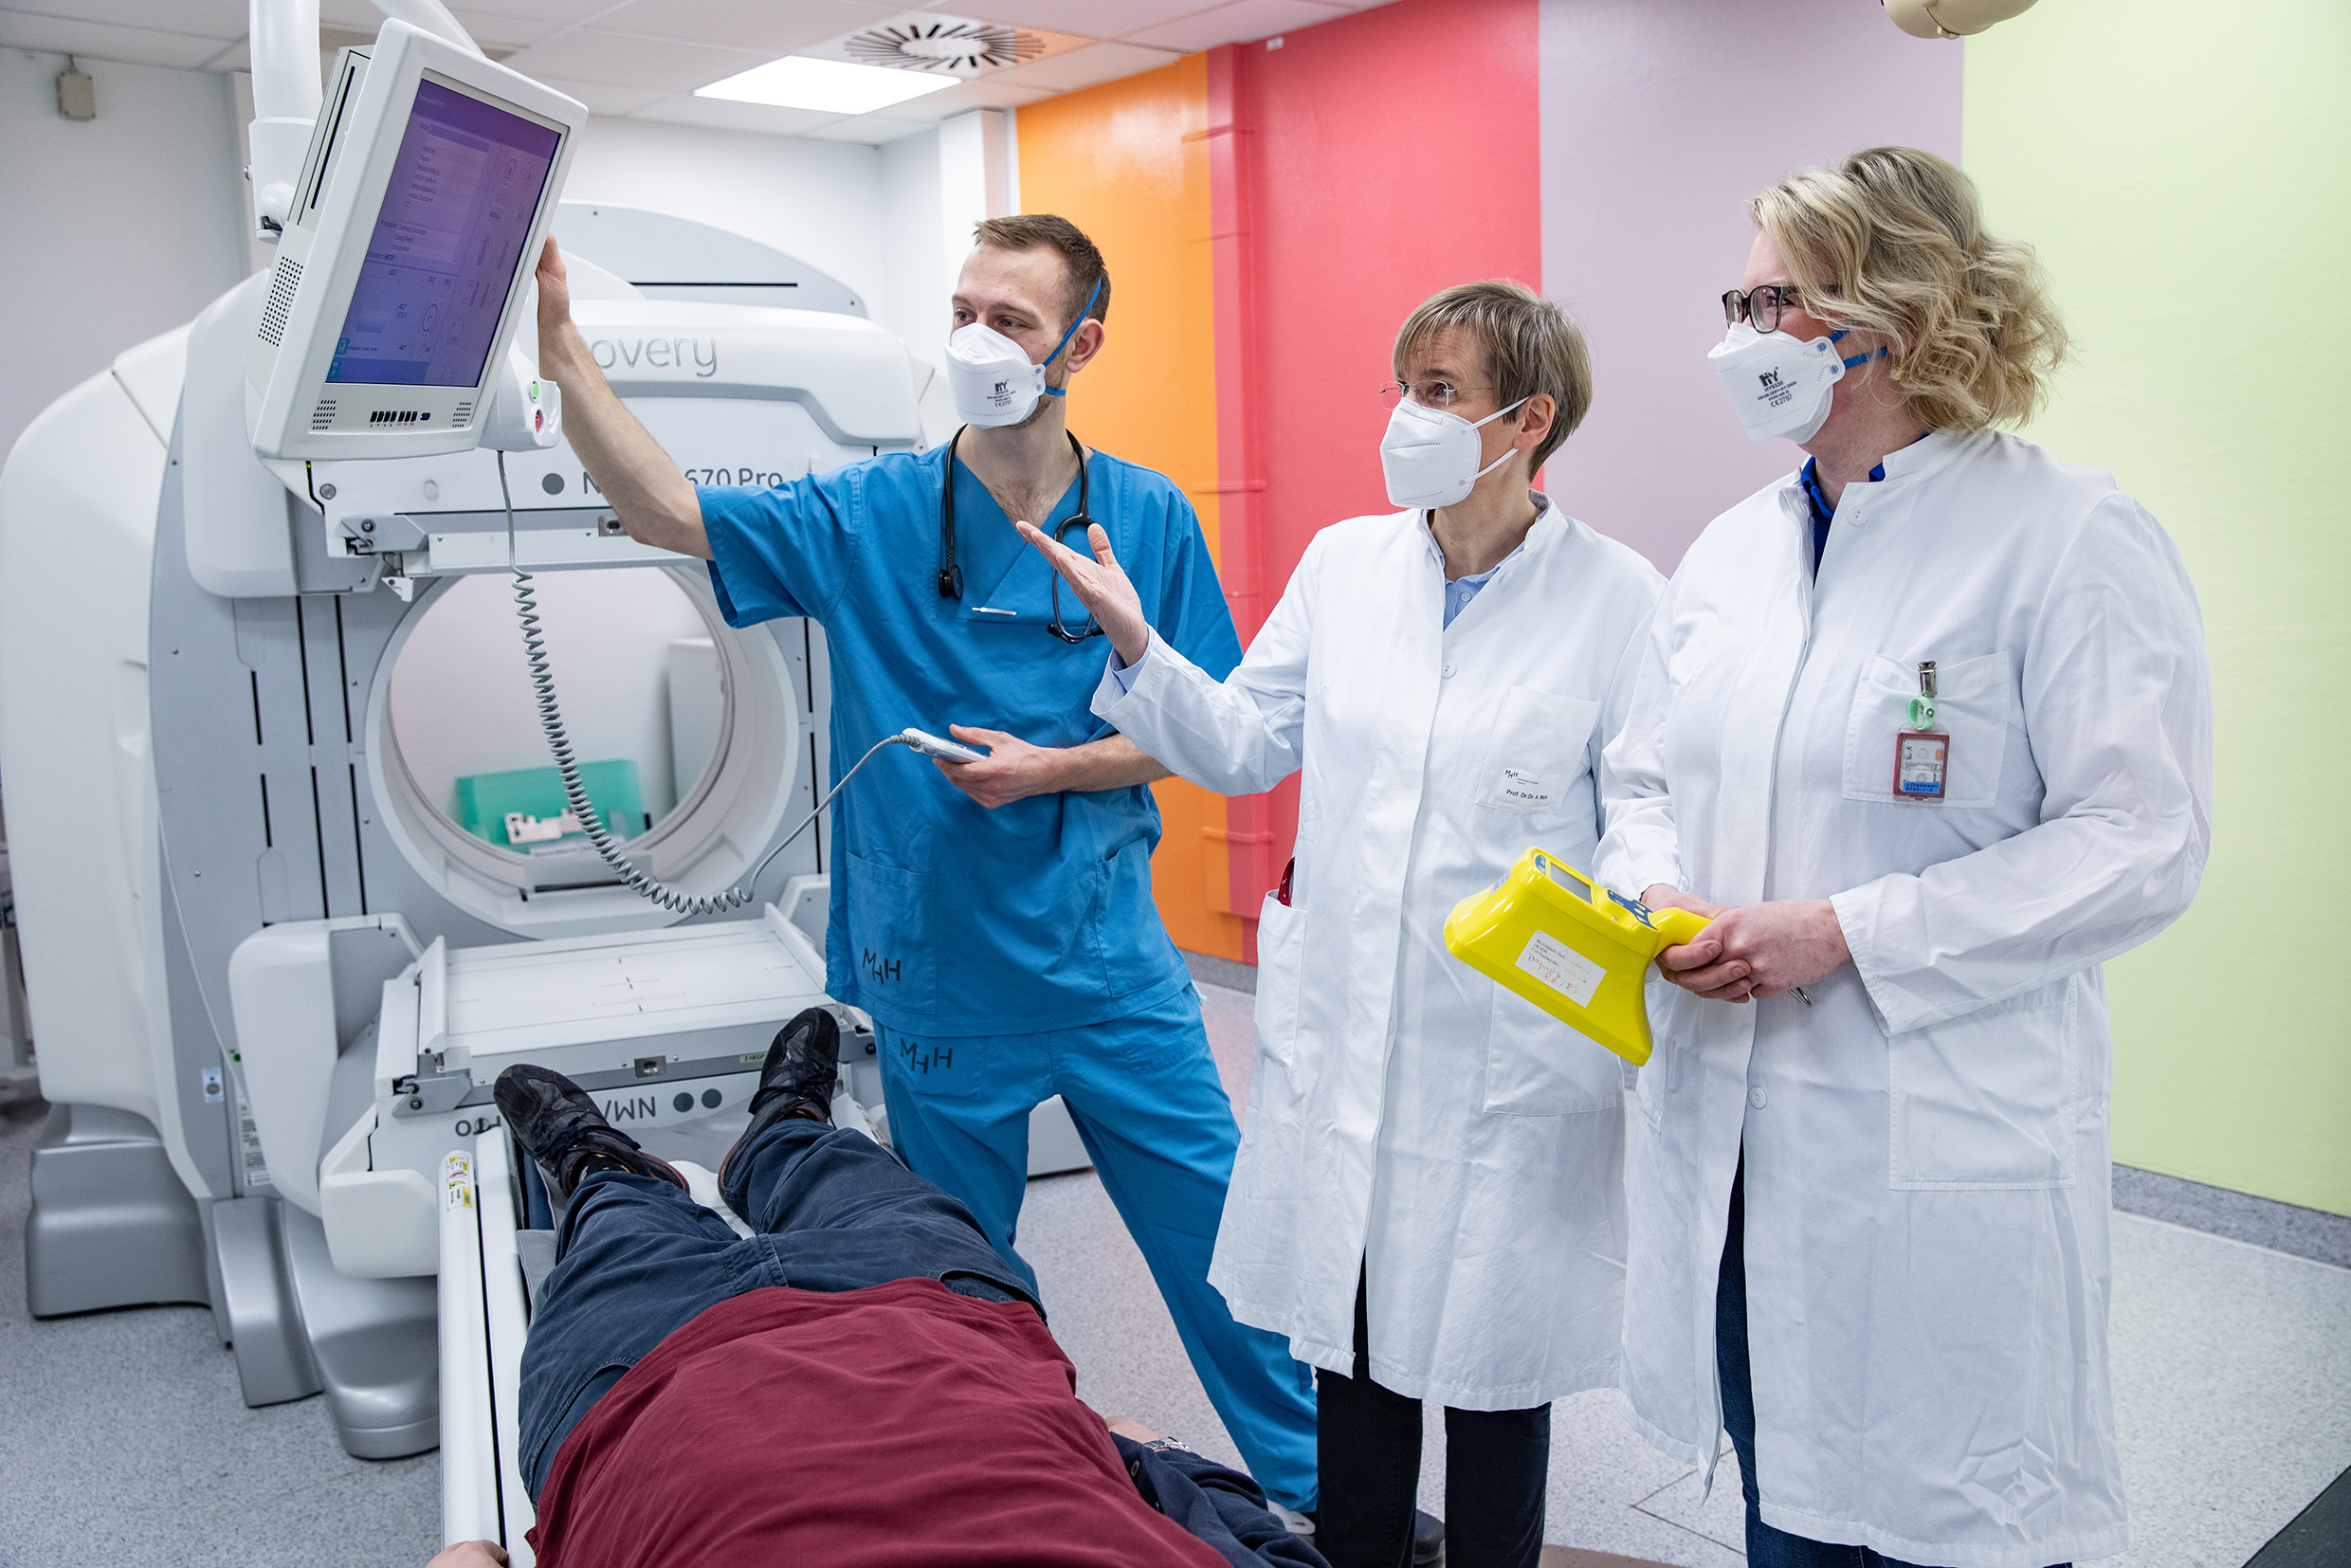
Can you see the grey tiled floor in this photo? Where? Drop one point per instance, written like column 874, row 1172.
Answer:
column 122, row 1438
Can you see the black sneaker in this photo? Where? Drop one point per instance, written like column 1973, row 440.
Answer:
column 564, row 1133
column 803, row 1062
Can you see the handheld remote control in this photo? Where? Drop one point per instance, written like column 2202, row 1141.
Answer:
column 946, row 751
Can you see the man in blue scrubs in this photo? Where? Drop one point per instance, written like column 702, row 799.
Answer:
column 996, row 918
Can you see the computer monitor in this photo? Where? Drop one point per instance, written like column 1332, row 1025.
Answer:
column 428, row 188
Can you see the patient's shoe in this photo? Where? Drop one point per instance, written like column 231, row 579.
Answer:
column 564, row 1133
column 797, row 1079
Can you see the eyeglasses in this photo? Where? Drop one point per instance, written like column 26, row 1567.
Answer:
column 1760, row 305
column 1429, row 394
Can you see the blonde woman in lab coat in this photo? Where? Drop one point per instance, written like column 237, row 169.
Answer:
column 1427, row 1199
column 1926, row 726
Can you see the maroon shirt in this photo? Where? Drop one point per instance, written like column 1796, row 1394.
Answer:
column 902, row 1426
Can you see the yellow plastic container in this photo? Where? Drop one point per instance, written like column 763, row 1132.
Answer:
column 1577, row 950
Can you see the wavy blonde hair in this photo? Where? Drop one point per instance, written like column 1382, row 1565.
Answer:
column 1891, row 243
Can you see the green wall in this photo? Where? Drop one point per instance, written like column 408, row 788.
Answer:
column 2185, row 170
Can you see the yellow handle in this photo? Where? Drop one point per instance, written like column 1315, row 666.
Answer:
column 1677, row 925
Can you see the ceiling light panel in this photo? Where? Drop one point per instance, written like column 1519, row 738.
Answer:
column 830, row 86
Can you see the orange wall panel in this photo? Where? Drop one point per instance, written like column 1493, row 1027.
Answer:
column 1127, row 162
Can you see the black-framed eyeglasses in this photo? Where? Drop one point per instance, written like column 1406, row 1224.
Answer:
column 1760, row 305
column 1429, row 394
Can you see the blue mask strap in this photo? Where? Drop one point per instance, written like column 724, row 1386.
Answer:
column 1855, row 361
column 1064, row 392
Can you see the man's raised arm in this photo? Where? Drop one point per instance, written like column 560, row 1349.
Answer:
column 653, row 501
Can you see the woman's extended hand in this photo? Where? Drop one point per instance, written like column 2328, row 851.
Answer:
column 1102, row 587
column 1755, row 950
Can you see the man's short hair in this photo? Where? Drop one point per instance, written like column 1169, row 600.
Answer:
column 1530, row 346
column 1081, row 260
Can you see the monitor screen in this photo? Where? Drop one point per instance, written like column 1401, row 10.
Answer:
column 463, row 190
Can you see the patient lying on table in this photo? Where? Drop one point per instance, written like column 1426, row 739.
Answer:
column 861, row 1382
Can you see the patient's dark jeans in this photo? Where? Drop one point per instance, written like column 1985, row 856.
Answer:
column 834, row 1211
column 1767, row 1546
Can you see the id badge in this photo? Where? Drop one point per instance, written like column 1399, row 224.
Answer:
column 1921, row 763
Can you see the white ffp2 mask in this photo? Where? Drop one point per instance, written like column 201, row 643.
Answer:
column 1780, row 387
column 1431, row 456
column 990, row 378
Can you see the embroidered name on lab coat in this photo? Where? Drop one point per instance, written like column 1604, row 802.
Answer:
column 1523, row 789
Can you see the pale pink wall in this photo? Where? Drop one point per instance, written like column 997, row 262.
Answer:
column 1660, row 120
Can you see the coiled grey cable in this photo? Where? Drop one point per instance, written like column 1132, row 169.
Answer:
column 575, row 793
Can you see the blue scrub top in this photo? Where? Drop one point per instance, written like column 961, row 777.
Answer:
column 948, row 919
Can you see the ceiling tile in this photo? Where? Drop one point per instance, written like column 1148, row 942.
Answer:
column 741, row 23
column 1092, row 18
column 98, row 41
column 500, row 21
column 873, row 130
column 502, row 27
column 357, row 15
column 604, row 98
column 1087, row 66
column 726, row 115
column 1243, row 22
column 561, row 13
column 625, row 60
column 990, row 92
column 221, row 19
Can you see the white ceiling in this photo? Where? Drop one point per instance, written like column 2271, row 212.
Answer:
column 643, row 59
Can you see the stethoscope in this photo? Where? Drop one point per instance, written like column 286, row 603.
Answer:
column 951, row 574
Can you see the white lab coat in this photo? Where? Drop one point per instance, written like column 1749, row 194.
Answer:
column 1404, row 1110
column 1927, row 1153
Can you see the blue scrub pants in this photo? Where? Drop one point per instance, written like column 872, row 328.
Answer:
column 1155, row 1118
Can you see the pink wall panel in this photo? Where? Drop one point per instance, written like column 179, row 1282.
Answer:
column 1660, row 120
column 1364, row 165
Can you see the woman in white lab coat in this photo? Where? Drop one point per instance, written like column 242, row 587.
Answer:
column 1929, row 724
column 1427, row 1199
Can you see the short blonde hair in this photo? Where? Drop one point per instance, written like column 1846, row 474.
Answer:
column 1530, row 347
column 1891, row 243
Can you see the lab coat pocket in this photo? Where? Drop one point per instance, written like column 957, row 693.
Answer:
column 1974, row 702
column 1536, row 1065
column 890, row 942
column 1536, row 752
column 1987, row 1099
column 1281, row 947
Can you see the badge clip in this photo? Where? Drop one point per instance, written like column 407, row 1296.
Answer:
column 1922, row 754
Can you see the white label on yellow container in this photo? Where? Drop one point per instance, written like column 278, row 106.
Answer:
column 1562, row 968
